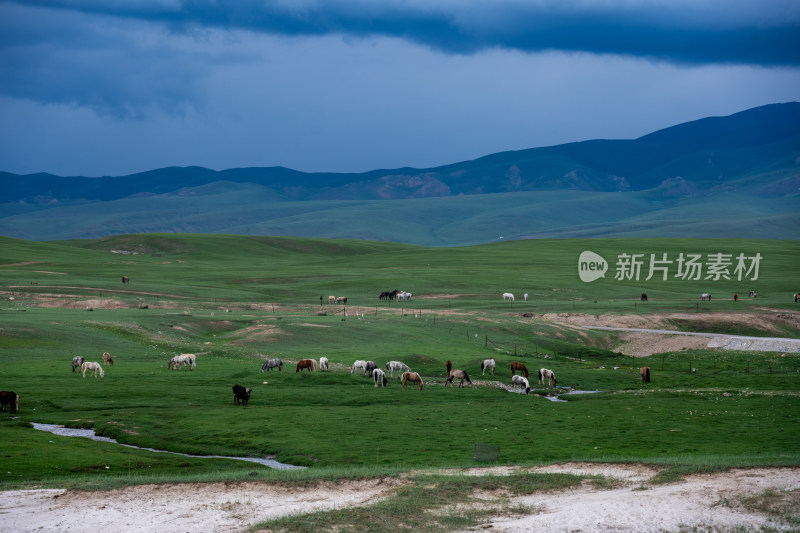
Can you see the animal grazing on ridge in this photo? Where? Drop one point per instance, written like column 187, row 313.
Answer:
column 402, row 296
column 460, row 375
column 380, row 377
column 487, row 363
column 107, row 359
column 188, row 360
column 310, row 364
column 644, row 297
column 358, row 364
column 95, row 369
column 341, row 300
column 8, row 398
column 547, row 375
column 77, row 361
column 241, row 394
column 519, row 367
column 269, row 364
column 705, row 296
column 752, row 294
column 401, row 367
column 525, row 296
column 323, row 364
column 508, row 296
column 412, row 377
column 645, row 373
column 522, row 383
column 331, row 299
column 369, row 367
column 126, row 279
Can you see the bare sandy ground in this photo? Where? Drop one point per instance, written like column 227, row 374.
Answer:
column 702, row 502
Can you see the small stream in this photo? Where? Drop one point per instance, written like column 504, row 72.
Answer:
column 90, row 434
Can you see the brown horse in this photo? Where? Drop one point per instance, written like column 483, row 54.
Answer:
column 310, row 364
column 126, row 279
column 107, row 359
column 644, row 297
column 645, row 373
column 413, row 377
column 519, row 366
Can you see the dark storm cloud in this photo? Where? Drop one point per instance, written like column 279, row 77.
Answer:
column 732, row 31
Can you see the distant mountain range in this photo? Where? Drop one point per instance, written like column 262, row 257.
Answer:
column 712, row 177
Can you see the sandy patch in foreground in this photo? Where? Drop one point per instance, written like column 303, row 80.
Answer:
column 633, row 506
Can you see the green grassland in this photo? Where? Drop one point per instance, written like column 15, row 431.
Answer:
column 236, row 301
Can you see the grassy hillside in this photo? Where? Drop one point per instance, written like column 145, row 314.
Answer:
column 237, row 300
column 451, row 221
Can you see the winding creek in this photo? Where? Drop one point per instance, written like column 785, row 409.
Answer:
column 90, row 434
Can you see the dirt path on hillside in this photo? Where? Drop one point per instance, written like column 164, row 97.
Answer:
column 709, row 501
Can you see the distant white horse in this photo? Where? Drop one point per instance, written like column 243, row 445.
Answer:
column 705, row 296
column 403, row 296
column 521, row 382
column 401, row 367
column 95, row 368
column 188, row 360
column 508, row 296
column 359, row 364
column 380, row 377
column 545, row 375
column 525, row 296
column 487, row 363
column 323, row 364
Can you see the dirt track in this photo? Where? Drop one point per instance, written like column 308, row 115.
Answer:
column 707, row 502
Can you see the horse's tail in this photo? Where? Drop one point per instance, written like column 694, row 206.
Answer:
column 449, row 365
column 313, row 365
column 525, row 369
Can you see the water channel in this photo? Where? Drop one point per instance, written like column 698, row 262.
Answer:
column 90, row 434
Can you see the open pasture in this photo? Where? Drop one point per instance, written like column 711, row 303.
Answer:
column 236, row 301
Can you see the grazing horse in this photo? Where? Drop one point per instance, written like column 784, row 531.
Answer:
column 10, row 399
column 358, row 364
column 706, row 296
column 402, row 296
column 401, row 367
column 188, row 360
column 126, row 279
column 645, row 373
column 508, row 296
column 412, row 377
column 515, row 366
column 95, row 368
column 370, row 367
column 487, row 363
column 458, row 374
column 752, row 294
column 269, row 364
column 341, row 300
column 77, row 361
column 380, row 377
column 310, row 364
column 644, row 297
column 107, row 359
column 525, row 296
column 522, row 383
column 323, row 364
column 547, row 375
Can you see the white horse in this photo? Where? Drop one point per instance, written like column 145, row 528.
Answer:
column 359, row 364
column 188, row 360
column 521, row 382
column 403, row 296
column 323, row 364
column 95, row 368
column 705, row 296
column 525, row 296
column 487, row 363
column 508, row 296
column 547, row 375
column 401, row 367
column 380, row 377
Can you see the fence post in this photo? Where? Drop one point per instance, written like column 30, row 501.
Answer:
column 486, row 341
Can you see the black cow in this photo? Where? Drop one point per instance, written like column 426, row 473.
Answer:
column 9, row 399
column 241, row 394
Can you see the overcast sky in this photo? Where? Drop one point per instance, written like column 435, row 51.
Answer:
column 113, row 87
